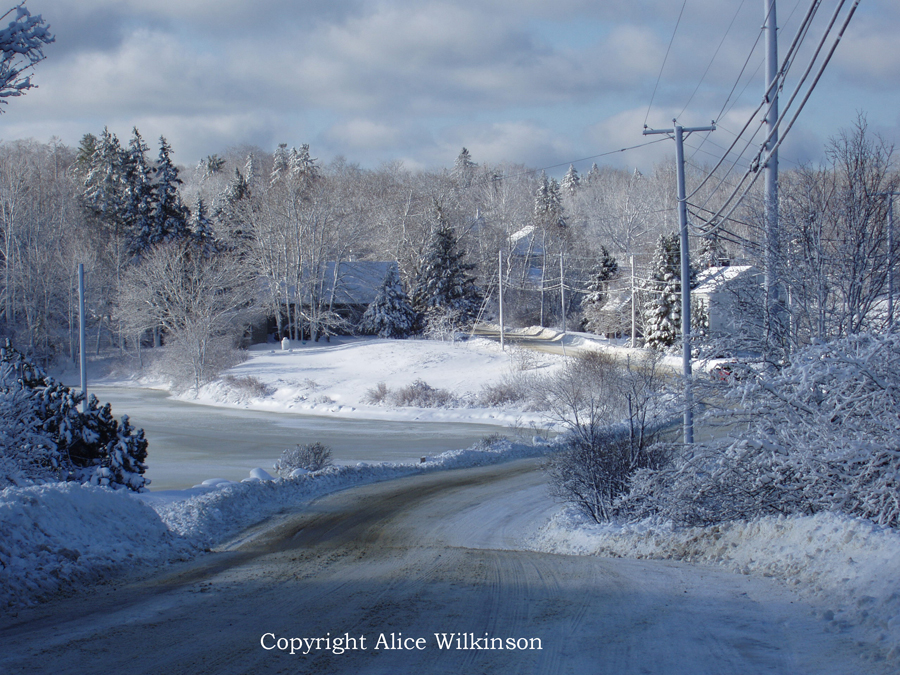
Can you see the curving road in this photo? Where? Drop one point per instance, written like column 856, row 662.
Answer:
column 418, row 556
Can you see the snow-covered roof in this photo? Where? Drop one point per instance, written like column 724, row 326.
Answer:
column 713, row 279
column 358, row 282
column 522, row 240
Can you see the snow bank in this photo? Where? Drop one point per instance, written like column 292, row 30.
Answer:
column 214, row 515
column 64, row 536
column 848, row 568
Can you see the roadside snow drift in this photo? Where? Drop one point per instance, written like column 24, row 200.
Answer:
column 848, row 568
column 65, row 536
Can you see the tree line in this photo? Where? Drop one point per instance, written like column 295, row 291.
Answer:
column 192, row 256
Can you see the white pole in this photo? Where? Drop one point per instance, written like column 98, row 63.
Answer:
column 500, row 283
column 562, row 300
column 633, row 308
column 81, row 338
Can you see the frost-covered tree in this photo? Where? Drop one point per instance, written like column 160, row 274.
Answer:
column 606, row 269
column 201, row 301
column 22, row 47
column 201, row 230
column 444, row 286
column 105, row 183
column 464, row 168
column 390, row 315
column 823, row 434
column 140, row 196
column 662, row 310
column 571, row 180
column 548, row 208
column 45, row 436
column 170, row 220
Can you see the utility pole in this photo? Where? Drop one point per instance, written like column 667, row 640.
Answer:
column 890, row 256
column 500, row 283
column 81, row 338
column 633, row 307
column 678, row 133
column 562, row 301
column 773, row 300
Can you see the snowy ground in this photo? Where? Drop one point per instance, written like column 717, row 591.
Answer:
column 334, row 378
column 65, row 537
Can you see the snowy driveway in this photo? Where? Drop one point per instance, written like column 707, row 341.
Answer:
column 423, row 555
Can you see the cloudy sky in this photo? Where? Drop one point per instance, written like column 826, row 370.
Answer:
column 539, row 82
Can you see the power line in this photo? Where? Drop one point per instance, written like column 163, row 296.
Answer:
column 712, row 60
column 665, row 58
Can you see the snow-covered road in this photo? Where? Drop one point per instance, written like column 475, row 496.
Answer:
column 435, row 553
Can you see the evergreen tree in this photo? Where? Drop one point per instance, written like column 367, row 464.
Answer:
column 170, row 219
column 390, row 315
column 571, row 180
column 280, row 163
column 464, row 168
column 201, row 228
column 444, row 286
column 548, row 207
column 140, row 197
column 65, row 442
column 662, row 311
column 606, row 270
column 105, row 183
column 87, row 146
column 712, row 252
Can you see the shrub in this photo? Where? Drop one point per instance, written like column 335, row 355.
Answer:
column 511, row 389
column 593, row 475
column 613, row 413
column 307, row 456
column 45, row 436
column 248, row 385
column 821, row 435
column 420, row 394
column 377, row 395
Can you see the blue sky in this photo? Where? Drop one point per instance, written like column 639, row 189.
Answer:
column 519, row 81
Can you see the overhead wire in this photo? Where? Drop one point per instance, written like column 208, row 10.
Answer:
column 665, row 58
column 712, row 60
column 758, row 159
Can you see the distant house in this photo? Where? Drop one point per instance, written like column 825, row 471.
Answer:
column 723, row 292
column 350, row 287
column 343, row 291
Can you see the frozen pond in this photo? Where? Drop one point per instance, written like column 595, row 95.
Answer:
column 190, row 443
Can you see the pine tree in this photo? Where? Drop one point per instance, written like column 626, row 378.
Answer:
column 390, row 315
column 170, row 219
column 140, row 198
column 548, row 206
column 712, row 253
column 67, row 443
column 443, row 286
column 606, row 269
column 571, row 181
column 662, row 311
column 105, row 183
column 201, row 228
column 464, row 168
